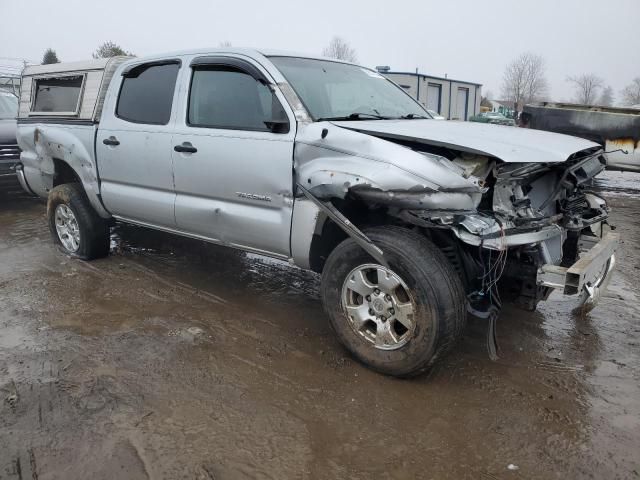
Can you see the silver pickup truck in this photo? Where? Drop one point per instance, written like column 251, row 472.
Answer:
column 413, row 223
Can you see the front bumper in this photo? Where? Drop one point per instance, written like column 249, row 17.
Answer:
column 588, row 273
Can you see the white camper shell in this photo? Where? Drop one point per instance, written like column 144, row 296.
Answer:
column 84, row 85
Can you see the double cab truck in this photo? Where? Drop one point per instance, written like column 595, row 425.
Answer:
column 412, row 223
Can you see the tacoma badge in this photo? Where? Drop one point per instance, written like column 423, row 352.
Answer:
column 254, row 196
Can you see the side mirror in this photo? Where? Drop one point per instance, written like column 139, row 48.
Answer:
column 278, row 126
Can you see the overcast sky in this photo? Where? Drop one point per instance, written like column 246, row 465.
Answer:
column 467, row 39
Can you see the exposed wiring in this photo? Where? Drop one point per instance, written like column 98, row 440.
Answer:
column 492, row 270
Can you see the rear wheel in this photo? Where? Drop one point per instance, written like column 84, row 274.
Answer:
column 75, row 225
column 398, row 319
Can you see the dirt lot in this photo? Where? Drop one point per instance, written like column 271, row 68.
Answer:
column 175, row 359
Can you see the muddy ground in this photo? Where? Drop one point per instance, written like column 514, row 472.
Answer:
column 175, row 359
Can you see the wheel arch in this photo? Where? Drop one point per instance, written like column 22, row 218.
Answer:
column 54, row 154
column 315, row 234
column 64, row 172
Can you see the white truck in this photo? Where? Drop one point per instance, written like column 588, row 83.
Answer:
column 412, row 222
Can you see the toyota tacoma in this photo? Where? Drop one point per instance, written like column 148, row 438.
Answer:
column 412, row 223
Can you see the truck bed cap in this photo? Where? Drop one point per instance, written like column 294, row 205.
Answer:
column 84, row 65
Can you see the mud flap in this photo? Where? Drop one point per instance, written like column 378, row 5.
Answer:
column 492, row 339
column 491, row 315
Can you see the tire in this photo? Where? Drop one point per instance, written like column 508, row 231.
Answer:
column 80, row 231
column 428, row 282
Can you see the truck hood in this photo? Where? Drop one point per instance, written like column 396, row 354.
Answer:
column 509, row 144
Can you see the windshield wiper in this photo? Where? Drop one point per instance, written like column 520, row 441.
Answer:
column 412, row 116
column 355, row 116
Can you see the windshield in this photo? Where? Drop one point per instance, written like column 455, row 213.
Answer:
column 8, row 105
column 332, row 90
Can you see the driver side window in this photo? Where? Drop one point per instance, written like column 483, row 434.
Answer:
column 228, row 98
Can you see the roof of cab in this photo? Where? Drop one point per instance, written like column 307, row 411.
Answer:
column 250, row 52
column 101, row 63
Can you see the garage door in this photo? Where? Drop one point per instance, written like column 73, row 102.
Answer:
column 462, row 102
column 434, row 96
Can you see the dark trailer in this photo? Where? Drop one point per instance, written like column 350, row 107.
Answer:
column 616, row 129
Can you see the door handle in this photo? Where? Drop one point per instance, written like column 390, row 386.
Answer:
column 186, row 147
column 111, row 141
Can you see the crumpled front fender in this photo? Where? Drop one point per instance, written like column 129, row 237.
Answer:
column 331, row 162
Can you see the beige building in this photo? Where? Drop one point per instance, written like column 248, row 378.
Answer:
column 453, row 99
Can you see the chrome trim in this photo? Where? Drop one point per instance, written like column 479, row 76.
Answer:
column 591, row 294
column 22, row 179
column 9, row 151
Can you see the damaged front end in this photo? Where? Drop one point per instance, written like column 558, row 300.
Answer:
column 513, row 231
column 528, row 231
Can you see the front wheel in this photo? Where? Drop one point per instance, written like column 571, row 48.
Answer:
column 399, row 319
column 75, row 225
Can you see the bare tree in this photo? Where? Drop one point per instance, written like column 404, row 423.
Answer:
column 631, row 93
column 340, row 49
column 524, row 79
column 225, row 44
column 50, row 57
column 110, row 49
column 606, row 98
column 587, row 87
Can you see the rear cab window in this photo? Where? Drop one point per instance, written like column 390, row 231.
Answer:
column 146, row 93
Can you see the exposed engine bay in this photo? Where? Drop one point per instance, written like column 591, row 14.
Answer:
column 528, row 215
